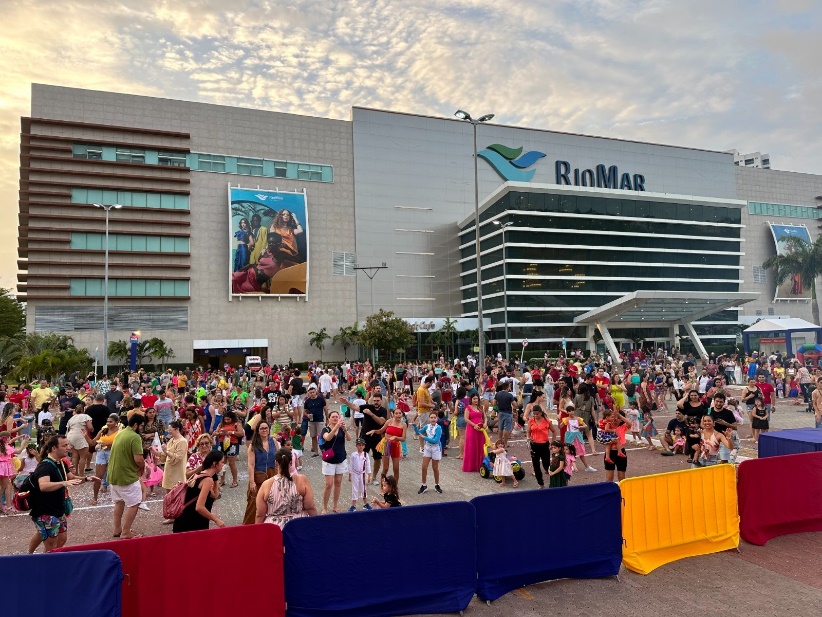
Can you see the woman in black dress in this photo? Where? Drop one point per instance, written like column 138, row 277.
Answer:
column 202, row 490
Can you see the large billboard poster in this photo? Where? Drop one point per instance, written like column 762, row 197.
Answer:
column 269, row 242
column 793, row 288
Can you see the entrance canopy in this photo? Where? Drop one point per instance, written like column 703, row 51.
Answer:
column 786, row 326
column 661, row 309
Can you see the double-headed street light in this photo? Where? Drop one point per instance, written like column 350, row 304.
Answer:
column 503, row 226
column 464, row 115
column 107, row 208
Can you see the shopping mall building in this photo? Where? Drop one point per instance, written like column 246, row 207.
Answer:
column 579, row 234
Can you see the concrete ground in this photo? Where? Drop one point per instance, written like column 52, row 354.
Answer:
column 783, row 577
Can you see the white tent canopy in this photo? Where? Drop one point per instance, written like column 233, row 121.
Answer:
column 780, row 325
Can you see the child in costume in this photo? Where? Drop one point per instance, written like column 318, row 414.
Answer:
column 359, row 475
column 611, row 433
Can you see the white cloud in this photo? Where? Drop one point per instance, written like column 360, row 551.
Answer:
column 704, row 74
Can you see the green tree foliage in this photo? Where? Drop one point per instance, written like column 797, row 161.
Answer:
column 157, row 348
column 386, row 333
column 347, row 337
column 12, row 315
column 802, row 258
column 119, row 351
column 48, row 355
column 318, row 339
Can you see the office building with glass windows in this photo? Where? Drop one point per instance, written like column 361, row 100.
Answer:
column 568, row 223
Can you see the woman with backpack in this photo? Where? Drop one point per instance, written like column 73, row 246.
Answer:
column 201, row 491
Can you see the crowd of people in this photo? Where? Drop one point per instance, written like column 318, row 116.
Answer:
column 183, row 432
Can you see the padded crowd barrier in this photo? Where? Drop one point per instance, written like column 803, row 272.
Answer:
column 424, row 558
column 83, row 584
column 575, row 552
column 671, row 516
column 159, row 569
column 790, row 441
column 780, row 495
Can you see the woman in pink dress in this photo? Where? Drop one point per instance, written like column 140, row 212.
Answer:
column 474, row 437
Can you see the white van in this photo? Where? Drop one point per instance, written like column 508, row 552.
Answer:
column 253, row 363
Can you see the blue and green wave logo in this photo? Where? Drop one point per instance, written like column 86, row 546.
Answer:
column 508, row 163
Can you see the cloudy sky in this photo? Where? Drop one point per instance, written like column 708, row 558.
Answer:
column 714, row 74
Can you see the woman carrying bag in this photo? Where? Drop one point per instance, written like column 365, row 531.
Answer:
column 201, row 492
column 261, row 465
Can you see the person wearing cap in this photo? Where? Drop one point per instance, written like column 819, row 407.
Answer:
column 359, row 475
column 315, row 411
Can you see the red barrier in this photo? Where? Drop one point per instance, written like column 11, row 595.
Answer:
column 780, row 495
column 194, row 573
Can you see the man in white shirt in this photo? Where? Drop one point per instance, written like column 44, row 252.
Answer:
column 326, row 384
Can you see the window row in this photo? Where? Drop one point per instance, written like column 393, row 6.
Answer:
column 604, row 206
column 572, row 271
column 797, row 212
column 667, row 251
column 590, row 285
column 615, row 256
column 201, row 161
column 548, row 224
column 128, row 287
column 129, row 199
column 129, row 242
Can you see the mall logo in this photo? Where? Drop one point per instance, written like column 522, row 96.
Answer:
column 508, row 163
column 511, row 167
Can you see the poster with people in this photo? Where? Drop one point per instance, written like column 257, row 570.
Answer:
column 269, row 242
column 793, row 288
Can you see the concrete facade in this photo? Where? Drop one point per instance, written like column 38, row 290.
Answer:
column 402, row 183
column 776, row 187
column 245, row 132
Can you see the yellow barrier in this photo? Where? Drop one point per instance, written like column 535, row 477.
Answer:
column 671, row 516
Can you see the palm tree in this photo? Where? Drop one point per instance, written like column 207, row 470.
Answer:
column 449, row 328
column 119, row 350
column 157, row 348
column 803, row 259
column 346, row 338
column 318, row 339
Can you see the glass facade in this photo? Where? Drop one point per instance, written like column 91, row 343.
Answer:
column 128, row 287
column 202, row 161
column 797, row 212
column 575, row 252
column 131, row 199
column 129, row 242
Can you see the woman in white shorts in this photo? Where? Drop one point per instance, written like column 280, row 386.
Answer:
column 79, row 425
column 335, row 467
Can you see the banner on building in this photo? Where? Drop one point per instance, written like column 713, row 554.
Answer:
column 793, row 288
column 269, row 242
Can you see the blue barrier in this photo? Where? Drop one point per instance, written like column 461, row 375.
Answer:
column 543, row 518
column 85, row 584
column 427, row 552
column 790, row 441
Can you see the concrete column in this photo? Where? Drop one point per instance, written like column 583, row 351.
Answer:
column 700, row 348
column 609, row 342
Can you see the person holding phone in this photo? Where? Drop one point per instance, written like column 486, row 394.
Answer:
column 334, row 467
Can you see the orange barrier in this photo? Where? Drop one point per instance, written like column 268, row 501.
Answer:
column 671, row 516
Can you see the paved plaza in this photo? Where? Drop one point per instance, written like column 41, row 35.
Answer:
column 754, row 581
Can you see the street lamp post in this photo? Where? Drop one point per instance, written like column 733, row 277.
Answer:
column 107, row 208
column 504, row 226
column 464, row 115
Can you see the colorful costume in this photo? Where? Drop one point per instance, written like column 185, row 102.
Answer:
column 573, row 434
column 359, row 465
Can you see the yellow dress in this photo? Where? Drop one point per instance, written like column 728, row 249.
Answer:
column 618, row 395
